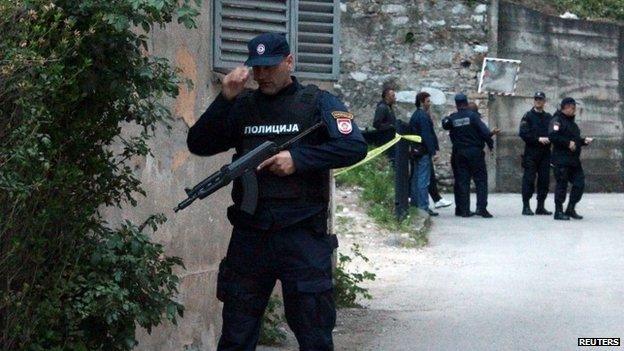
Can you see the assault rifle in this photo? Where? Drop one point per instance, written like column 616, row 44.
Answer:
column 244, row 167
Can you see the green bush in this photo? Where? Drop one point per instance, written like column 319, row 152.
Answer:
column 347, row 287
column 607, row 9
column 376, row 178
column 72, row 73
column 271, row 331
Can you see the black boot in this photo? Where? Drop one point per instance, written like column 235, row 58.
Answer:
column 526, row 209
column 559, row 215
column 483, row 213
column 541, row 210
column 571, row 212
column 432, row 213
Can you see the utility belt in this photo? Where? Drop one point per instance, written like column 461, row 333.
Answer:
column 273, row 217
column 458, row 149
column 537, row 148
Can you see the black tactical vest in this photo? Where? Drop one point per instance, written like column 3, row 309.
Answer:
column 464, row 134
column 279, row 120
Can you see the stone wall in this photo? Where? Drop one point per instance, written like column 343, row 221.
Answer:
column 563, row 57
column 413, row 46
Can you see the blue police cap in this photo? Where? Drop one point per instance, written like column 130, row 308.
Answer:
column 568, row 101
column 539, row 95
column 461, row 97
column 267, row 49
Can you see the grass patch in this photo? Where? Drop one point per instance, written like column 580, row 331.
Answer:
column 608, row 9
column 376, row 178
column 611, row 10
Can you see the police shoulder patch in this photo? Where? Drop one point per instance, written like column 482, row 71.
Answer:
column 342, row 115
column 344, row 125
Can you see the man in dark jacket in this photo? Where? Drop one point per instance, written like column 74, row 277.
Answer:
column 567, row 141
column 384, row 113
column 421, row 124
column 536, row 158
column 385, row 119
column 286, row 238
column 469, row 136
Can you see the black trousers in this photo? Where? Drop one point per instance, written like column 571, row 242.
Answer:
column 455, row 177
column 536, row 164
column 470, row 163
column 391, row 153
column 301, row 258
column 563, row 176
column 433, row 186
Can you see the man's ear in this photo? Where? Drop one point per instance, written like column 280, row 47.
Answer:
column 290, row 61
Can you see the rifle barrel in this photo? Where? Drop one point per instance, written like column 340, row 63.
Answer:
column 303, row 134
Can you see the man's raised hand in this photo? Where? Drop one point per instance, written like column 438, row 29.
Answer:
column 234, row 82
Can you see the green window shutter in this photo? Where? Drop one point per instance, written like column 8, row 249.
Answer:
column 317, row 47
column 238, row 21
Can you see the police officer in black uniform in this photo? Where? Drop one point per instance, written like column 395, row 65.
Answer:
column 469, row 136
column 287, row 237
column 536, row 158
column 567, row 141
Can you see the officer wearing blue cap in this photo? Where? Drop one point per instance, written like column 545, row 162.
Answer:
column 287, row 237
column 567, row 141
column 469, row 136
column 536, row 158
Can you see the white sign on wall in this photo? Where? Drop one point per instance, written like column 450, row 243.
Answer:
column 499, row 76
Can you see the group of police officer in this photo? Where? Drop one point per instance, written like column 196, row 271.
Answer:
column 542, row 133
column 287, row 237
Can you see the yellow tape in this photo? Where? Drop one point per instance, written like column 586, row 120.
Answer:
column 380, row 150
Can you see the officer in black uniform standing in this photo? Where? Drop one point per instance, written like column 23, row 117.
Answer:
column 287, row 237
column 469, row 136
column 567, row 141
column 536, row 159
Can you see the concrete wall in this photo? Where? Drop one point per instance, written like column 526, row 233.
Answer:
column 563, row 57
column 200, row 233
